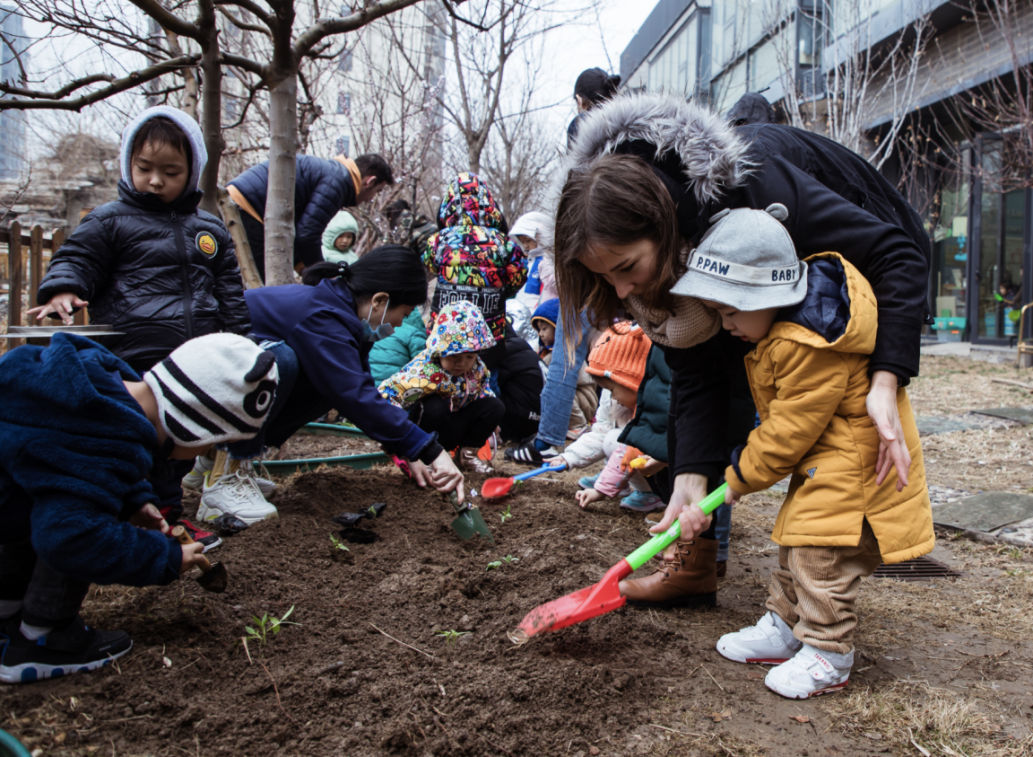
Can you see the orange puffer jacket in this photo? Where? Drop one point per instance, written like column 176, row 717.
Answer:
column 809, row 378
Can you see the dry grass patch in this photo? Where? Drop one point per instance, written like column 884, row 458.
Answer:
column 919, row 717
column 991, row 459
column 951, row 385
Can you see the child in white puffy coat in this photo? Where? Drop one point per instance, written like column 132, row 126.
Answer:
column 618, row 364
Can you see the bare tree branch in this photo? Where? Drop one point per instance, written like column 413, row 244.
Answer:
column 58, row 93
column 118, row 85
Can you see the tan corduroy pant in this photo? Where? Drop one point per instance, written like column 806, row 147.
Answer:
column 815, row 589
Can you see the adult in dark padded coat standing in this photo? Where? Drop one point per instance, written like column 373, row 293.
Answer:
column 625, row 218
column 322, row 188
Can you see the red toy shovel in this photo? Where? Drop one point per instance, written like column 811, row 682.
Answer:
column 497, row 488
column 605, row 595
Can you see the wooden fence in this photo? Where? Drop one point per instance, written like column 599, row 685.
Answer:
column 23, row 262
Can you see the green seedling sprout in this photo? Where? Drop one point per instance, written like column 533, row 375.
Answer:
column 267, row 626
column 505, row 560
column 452, row 637
column 372, row 512
column 338, row 544
column 507, row 514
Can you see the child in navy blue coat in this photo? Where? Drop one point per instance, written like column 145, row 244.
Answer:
column 80, row 433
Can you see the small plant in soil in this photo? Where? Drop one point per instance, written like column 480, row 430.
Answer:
column 504, row 561
column 452, row 637
column 337, row 546
column 506, row 515
column 267, row 626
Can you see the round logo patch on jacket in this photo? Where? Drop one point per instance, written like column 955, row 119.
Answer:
column 206, row 244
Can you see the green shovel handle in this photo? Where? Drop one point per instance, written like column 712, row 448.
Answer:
column 647, row 551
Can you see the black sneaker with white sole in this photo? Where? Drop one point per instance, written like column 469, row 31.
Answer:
column 528, row 454
column 74, row 648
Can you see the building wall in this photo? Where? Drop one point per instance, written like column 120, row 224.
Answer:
column 13, row 159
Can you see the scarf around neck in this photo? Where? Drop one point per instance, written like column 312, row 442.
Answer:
column 690, row 324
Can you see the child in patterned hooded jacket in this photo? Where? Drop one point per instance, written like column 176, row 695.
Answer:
column 445, row 387
column 474, row 259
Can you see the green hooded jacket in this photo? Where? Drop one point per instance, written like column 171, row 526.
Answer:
column 391, row 354
column 339, row 224
column 647, row 431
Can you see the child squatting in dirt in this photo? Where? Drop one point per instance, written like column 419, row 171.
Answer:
column 445, row 387
column 814, row 325
column 618, row 364
column 80, row 433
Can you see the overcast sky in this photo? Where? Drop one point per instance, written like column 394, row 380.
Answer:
column 597, row 40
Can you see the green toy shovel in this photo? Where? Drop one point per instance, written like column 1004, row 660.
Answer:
column 604, row 596
column 468, row 520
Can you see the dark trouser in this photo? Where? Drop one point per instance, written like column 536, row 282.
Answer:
column 49, row 598
column 256, row 240
column 297, row 402
column 492, row 358
column 467, row 427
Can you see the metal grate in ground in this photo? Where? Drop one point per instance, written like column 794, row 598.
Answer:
column 919, row 569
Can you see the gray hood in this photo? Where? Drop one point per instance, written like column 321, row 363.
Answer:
column 199, row 153
column 713, row 158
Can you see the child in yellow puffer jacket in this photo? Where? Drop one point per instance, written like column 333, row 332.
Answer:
column 814, row 324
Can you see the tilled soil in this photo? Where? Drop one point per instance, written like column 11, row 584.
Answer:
column 371, row 669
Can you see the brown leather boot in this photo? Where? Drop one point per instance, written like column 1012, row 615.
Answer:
column 686, row 578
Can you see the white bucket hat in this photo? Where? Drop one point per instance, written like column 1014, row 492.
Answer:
column 747, row 261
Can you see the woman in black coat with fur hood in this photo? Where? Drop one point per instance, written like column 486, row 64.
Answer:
column 643, row 180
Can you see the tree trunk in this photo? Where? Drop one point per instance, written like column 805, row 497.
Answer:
column 279, row 201
column 211, row 117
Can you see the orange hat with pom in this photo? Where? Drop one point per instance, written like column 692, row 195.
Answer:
column 620, row 355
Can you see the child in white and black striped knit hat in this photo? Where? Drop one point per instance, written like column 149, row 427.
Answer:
column 79, row 436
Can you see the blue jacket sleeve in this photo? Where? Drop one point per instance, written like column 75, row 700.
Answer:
column 75, row 526
column 329, row 354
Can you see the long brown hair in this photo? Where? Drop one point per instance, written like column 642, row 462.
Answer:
column 616, row 200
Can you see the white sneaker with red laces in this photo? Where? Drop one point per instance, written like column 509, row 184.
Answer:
column 810, row 673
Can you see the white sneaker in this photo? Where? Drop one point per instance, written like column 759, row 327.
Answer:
column 236, row 494
column 195, row 479
column 809, row 674
column 770, row 641
column 265, row 485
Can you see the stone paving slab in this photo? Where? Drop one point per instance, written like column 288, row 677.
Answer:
column 1017, row 414
column 985, row 512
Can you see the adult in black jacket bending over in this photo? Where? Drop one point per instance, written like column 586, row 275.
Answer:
column 322, row 188
column 644, row 179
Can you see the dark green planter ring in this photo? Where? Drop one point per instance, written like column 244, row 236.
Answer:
column 359, row 462
column 11, row 747
column 333, row 429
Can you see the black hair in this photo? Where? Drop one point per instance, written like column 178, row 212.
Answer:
column 372, row 164
column 163, row 131
column 595, row 85
column 390, row 268
column 394, row 211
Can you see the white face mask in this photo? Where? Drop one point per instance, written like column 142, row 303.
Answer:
column 382, row 331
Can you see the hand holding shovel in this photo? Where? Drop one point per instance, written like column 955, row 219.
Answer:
column 213, row 575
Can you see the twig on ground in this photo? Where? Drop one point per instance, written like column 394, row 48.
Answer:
column 410, row 646
column 1011, row 382
column 277, row 692
column 329, row 668
column 712, row 677
column 495, row 746
column 673, row 730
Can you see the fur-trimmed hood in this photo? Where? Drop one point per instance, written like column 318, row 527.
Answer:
column 712, row 157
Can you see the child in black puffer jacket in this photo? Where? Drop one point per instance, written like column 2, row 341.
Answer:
column 151, row 264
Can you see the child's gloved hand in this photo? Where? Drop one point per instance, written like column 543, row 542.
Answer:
column 587, row 496
column 149, row 517
column 63, row 304
column 193, row 557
